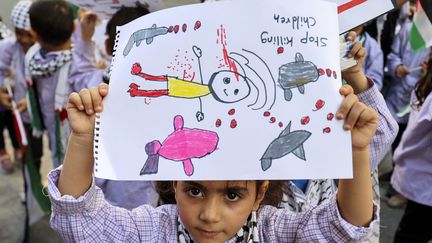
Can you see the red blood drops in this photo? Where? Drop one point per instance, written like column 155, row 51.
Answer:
column 233, row 123
column 330, row 116
column 305, row 120
column 184, row 27
column 280, row 50
column 231, row 112
column 170, row 29
column 319, row 104
column 334, row 75
column 329, row 72
column 272, row 119
column 218, row 123
column 197, row 25
column 327, row 130
column 280, row 124
column 176, row 29
column 267, row 113
column 321, row 72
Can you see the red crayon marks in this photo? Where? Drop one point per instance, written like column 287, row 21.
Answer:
column 305, row 120
column 319, row 104
column 233, row 123
column 280, row 50
column 272, row 119
column 334, row 75
column 170, row 29
column 329, row 72
column 280, row 124
column 327, row 130
column 231, row 112
column 228, row 62
column 218, row 123
column 197, row 25
column 267, row 114
column 176, row 29
column 330, row 116
column 321, row 72
column 351, row 4
column 184, row 27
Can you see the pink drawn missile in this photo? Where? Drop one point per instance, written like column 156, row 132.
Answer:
column 184, row 144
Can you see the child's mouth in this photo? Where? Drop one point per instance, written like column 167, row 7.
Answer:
column 208, row 233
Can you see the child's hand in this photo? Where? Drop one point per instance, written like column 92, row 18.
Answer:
column 354, row 76
column 22, row 105
column 88, row 21
column 81, row 109
column 360, row 119
column 402, row 71
column 5, row 99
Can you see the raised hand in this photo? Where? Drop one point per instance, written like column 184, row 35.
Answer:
column 81, row 109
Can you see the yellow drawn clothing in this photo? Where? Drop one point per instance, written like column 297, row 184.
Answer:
column 186, row 89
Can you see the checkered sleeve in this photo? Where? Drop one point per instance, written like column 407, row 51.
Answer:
column 387, row 125
column 322, row 223
column 90, row 218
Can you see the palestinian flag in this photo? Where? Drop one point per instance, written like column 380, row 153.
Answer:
column 420, row 35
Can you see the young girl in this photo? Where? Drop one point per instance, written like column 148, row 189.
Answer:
column 412, row 174
column 207, row 211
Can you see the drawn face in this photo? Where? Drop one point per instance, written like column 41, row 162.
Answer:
column 214, row 211
column 228, row 86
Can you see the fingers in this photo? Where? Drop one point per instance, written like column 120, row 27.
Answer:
column 353, row 115
column 89, row 100
column 357, row 51
column 350, row 36
column 348, row 101
column 369, row 115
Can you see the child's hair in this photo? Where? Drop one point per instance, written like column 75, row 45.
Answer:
column 52, row 20
column 123, row 16
column 273, row 195
column 424, row 86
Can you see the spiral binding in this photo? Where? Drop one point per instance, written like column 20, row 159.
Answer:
column 97, row 116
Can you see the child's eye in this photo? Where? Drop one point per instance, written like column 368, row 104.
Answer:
column 231, row 196
column 195, row 192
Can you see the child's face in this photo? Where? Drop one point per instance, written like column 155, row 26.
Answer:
column 229, row 86
column 25, row 38
column 214, row 211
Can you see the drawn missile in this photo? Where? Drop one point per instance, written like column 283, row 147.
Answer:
column 287, row 142
column 144, row 34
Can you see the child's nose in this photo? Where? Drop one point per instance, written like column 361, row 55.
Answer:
column 211, row 211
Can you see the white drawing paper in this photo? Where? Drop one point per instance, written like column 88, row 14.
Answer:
column 248, row 94
column 352, row 13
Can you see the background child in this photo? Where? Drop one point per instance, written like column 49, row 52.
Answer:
column 54, row 70
column 412, row 175
column 404, row 68
column 212, row 210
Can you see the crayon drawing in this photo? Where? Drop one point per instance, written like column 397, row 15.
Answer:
column 184, row 144
column 287, row 142
column 225, row 86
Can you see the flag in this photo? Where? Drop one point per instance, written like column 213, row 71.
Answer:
column 420, row 35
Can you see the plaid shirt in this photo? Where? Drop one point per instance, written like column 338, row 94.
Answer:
column 91, row 219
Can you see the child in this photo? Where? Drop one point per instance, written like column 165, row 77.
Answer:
column 13, row 50
column 216, row 211
column 55, row 70
column 373, row 64
column 404, row 69
column 413, row 166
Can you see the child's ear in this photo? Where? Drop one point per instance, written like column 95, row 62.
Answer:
column 33, row 34
column 260, row 195
column 108, row 47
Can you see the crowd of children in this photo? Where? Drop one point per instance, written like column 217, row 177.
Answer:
column 50, row 65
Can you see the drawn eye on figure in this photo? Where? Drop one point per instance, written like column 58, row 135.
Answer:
column 229, row 87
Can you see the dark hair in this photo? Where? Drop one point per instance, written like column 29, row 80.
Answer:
column 52, row 20
column 123, row 16
column 273, row 195
column 424, row 86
